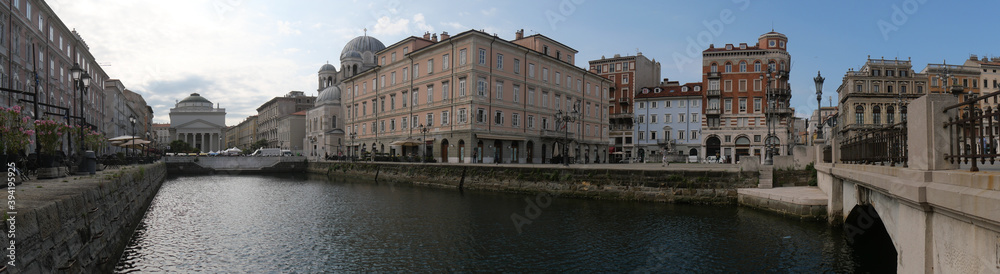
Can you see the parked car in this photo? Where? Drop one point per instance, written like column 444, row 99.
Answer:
column 267, row 152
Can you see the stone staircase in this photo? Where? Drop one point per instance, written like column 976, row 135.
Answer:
column 766, row 177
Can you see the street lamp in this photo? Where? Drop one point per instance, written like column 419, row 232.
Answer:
column 819, row 108
column 423, row 153
column 131, row 120
column 566, row 118
column 769, row 113
column 81, row 81
column 353, row 135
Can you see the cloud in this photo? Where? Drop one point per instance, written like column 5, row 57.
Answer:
column 286, row 28
column 388, row 27
column 422, row 25
column 489, row 12
column 456, row 26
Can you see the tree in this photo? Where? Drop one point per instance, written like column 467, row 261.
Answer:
column 180, row 146
column 259, row 144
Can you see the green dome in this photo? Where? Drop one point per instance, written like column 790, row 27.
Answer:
column 195, row 98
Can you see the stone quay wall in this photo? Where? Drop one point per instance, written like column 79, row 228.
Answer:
column 675, row 186
column 78, row 224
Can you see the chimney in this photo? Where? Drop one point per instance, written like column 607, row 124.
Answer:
column 518, row 35
column 427, row 35
column 444, row 35
column 434, row 37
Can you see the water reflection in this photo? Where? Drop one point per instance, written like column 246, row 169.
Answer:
column 296, row 224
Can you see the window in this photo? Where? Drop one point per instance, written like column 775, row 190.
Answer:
column 430, row 94
column 680, row 118
column 545, row 74
column 558, row 76
column 681, row 103
column 414, row 97
column 462, row 116
column 413, row 121
column 757, row 105
column 404, row 99
column 545, row 99
column 625, row 79
column 499, row 91
column 642, row 105
column 445, row 90
column 667, row 118
column 531, row 70
column 858, row 88
column 430, row 66
column 383, row 60
column 499, row 61
column 406, row 50
column 461, row 87
column 482, row 56
column 714, row 68
column 694, row 135
column 531, row 121
column 743, row 85
column 381, row 127
column 416, row 71
column 642, row 119
column 728, row 105
column 888, row 89
column 890, row 114
column 516, row 93
column 666, row 104
column 743, row 66
column 392, row 101
column 498, row 118
column 517, row 66
column 393, row 57
column 444, row 117
column 859, row 115
column 756, row 84
column 875, row 88
column 515, row 120
column 481, row 115
column 756, row 66
column 392, row 77
column 876, row 115
column 545, row 123
column 680, row 135
column 728, row 85
column 445, row 61
column 694, row 118
column 531, row 96
column 729, row 67
column 392, row 125
column 652, row 135
column 652, row 118
column 406, row 74
column 461, row 57
column 481, row 86
column 430, row 120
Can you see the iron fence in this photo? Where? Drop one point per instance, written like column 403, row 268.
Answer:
column 974, row 132
column 881, row 146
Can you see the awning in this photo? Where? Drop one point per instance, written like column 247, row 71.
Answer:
column 499, row 137
column 406, row 142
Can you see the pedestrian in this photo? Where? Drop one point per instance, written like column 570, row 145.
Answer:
column 665, row 163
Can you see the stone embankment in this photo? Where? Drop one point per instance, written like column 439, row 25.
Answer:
column 77, row 224
column 704, row 186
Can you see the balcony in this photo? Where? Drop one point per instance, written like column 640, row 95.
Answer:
column 665, row 142
column 714, row 75
column 779, row 91
column 623, row 101
column 714, row 93
column 621, row 116
column 781, row 110
column 713, row 111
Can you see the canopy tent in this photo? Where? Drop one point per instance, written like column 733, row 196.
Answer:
column 406, row 142
column 134, row 143
column 123, row 138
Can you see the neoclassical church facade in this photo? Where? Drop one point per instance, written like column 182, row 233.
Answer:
column 325, row 134
column 195, row 121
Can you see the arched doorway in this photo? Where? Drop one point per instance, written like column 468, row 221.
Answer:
column 444, row 150
column 530, row 152
column 497, row 151
column 692, row 152
column 872, row 244
column 477, row 155
column 713, row 147
column 742, row 148
column 514, row 152
column 461, row 151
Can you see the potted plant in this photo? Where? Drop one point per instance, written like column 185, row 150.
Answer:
column 50, row 134
column 15, row 131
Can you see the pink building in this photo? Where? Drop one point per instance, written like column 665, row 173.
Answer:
column 477, row 98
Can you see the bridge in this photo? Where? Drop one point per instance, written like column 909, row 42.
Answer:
column 234, row 164
column 919, row 184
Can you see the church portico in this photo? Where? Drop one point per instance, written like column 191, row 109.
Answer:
column 195, row 121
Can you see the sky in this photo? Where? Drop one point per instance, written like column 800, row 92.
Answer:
column 241, row 53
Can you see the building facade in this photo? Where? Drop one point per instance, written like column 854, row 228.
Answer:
column 477, row 98
column 989, row 76
column 747, row 99
column 628, row 74
column 877, row 94
column 161, row 136
column 292, row 131
column 245, row 133
column 195, row 121
column 276, row 108
column 668, row 120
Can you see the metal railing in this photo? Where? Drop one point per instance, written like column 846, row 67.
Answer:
column 877, row 146
column 974, row 132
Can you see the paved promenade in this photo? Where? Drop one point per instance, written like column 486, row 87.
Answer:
column 635, row 166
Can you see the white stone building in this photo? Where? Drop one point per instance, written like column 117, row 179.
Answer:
column 196, row 122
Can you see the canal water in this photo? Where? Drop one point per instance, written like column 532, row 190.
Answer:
column 290, row 223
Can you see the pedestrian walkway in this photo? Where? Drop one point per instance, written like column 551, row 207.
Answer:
column 803, row 201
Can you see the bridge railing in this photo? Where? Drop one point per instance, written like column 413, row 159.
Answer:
column 974, row 132
column 877, row 146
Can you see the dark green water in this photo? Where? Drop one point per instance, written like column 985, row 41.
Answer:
column 233, row 223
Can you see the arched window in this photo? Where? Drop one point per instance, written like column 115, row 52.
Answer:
column 729, row 67
column 902, row 114
column 354, row 71
column 890, row 114
column 333, row 122
column 782, row 65
column 743, row 66
column 756, row 66
column 888, row 88
column 770, row 65
column 715, row 67
column 876, row 115
column 859, row 115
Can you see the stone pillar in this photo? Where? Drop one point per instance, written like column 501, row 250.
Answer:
column 927, row 140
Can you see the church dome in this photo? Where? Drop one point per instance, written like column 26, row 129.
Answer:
column 359, row 45
column 195, row 98
column 329, row 95
column 328, row 67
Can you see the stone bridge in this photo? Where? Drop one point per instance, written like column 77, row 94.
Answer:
column 939, row 216
column 235, row 164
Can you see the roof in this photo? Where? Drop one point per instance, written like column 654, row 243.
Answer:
column 195, row 97
column 361, row 44
column 671, row 91
column 302, row 113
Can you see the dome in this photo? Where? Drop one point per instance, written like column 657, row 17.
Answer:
column 329, row 95
column 328, row 67
column 195, row 98
column 361, row 44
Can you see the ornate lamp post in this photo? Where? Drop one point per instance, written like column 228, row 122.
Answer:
column 566, row 118
column 81, row 81
column 423, row 150
column 819, row 108
column 131, row 120
column 351, row 147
